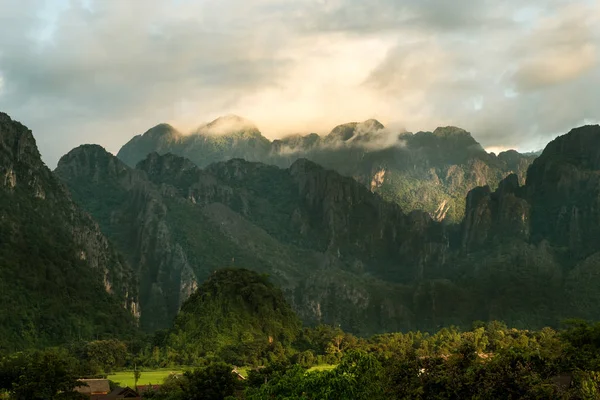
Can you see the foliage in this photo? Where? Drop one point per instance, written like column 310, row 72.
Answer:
column 39, row 375
column 213, row 382
column 49, row 290
column 237, row 315
column 357, row 377
column 487, row 362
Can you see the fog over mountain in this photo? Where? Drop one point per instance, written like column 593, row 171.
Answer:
column 95, row 71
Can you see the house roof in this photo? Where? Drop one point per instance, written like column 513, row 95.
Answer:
column 144, row 388
column 122, row 393
column 93, row 386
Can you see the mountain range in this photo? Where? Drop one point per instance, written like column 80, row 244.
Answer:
column 429, row 171
column 342, row 252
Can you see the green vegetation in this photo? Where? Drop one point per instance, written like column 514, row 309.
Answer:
column 55, row 264
column 321, row 367
column 39, row 375
column 236, row 315
column 147, row 377
column 489, row 360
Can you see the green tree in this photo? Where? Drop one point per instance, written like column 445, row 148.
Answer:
column 214, row 382
column 136, row 376
column 40, row 376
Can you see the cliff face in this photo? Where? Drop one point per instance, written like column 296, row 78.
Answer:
column 320, row 235
column 523, row 253
column 426, row 171
column 493, row 217
column 53, row 253
column 563, row 188
column 559, row 204
column 131, row 211
column 549, row 226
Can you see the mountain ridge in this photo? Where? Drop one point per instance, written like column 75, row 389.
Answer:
column 51, row 252
column 287, row 222
column 344, row 254
column 430, row 171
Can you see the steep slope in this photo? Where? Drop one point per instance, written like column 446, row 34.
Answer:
column 132, row 212
column 429, row 171
column 542, row 237
column 344, row 255
column 60, row 279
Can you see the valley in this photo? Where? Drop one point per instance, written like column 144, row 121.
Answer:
column 252, row 264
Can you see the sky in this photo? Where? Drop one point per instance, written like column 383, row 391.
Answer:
column 516, row 74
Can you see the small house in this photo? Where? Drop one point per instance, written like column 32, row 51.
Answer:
column 99, row 389
column 94, row 387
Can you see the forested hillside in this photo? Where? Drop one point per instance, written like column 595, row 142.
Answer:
column 60, row 278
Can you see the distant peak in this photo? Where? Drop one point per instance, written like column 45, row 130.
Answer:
column 228, row 124
column 449, row 131
column 372, row 124
column 90, row 149
column 161, row 130
column 230, row 118
column 91, row 161
column 349, row 130
column 458, row 137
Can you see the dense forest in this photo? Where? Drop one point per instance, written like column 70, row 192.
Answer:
column 60, row 278
column 488, row 361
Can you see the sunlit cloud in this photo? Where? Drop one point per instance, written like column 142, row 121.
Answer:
column 514, row 74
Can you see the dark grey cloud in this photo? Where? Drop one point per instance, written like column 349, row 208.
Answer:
column 514, row 73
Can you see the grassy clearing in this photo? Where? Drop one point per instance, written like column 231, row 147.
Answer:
column 155, row 377
column 244, row 371
column 322, row 367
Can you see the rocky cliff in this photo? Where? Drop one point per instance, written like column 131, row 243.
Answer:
column 426, row 171
column 343, row 254
column 545, row 232
column 333, row 246
column 60, row 278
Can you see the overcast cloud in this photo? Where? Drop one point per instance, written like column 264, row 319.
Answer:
column 514, row 73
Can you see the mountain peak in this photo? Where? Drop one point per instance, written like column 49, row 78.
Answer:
column 451, row 131
column 458, row 137
column 162, row 130
column 158, row 138
column 352, row 130
column 372, row 124
column 229, row 124
column 18, row 141
column 581, row 147
column 89, row 161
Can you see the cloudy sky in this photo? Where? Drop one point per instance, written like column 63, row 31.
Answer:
column 515, row 73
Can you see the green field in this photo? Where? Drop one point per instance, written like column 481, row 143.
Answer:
column 156, row 377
